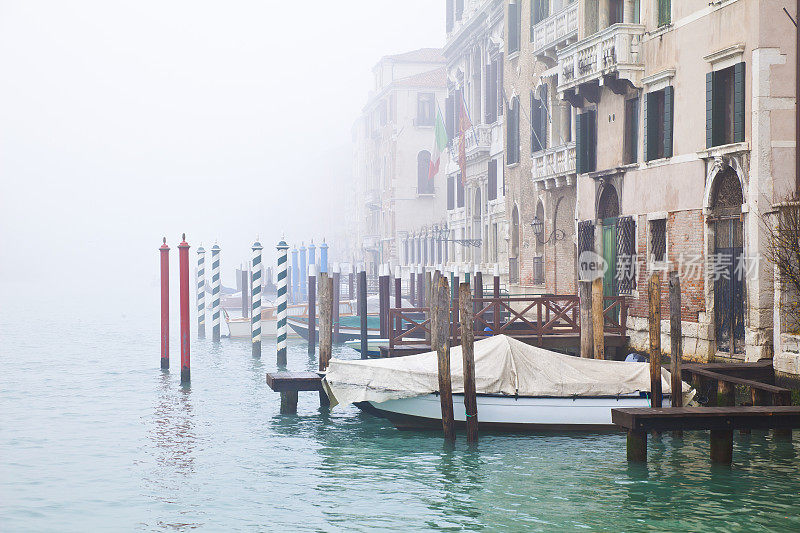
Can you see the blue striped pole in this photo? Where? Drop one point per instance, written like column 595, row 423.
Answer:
column 215, row 292
column 201, row 293
column 255, row 302
column 282, row 329
column 295, row 278
column 303, row 268
column 323, row 256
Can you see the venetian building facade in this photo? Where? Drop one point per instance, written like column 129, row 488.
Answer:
column 392, row 141
column 475, row 220
column 684, row 140
column 540, row 148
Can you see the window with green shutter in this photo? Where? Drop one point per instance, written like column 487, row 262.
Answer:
column 513, row 27
column 725, row 105
column 664, row 12
column 631, row 154
column 658, row 121
column 586, row 142
column 669, row 99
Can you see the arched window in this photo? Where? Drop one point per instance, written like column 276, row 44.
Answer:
column 424, row 184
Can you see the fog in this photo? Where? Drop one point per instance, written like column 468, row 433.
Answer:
column 125, row 121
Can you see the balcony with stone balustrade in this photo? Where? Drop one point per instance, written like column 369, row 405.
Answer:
column 554, row 167
column 556, row 31
column 609, row 57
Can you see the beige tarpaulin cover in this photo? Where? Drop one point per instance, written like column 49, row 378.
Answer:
column 503, row 365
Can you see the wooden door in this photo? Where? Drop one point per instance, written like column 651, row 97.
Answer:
column 728, row 279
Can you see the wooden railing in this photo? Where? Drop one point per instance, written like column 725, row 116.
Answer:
column 522, row 317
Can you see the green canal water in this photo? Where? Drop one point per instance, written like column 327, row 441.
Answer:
column 94, row 436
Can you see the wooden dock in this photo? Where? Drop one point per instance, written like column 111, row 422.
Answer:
column 290, row 383
column 721, row 421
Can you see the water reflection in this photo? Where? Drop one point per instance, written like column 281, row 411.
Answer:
column 173, row 431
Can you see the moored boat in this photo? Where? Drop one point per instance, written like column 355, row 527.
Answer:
column 519, row 387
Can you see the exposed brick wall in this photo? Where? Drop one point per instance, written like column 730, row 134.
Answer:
column 685, row 230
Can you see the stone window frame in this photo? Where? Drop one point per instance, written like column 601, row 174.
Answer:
column 652, row 264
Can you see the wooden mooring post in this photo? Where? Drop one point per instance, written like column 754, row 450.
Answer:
column 598, row 320
column 335, row 296
column 245, row 281
column 312, row 309
column 383, row 301
column 256, row 268
column 477, row 282
column 421, row 295
column 398, row 296
column 440, row 314
column 325, row 326
column 412, row 286
column 466, row 311
column 362, row 311
column 654, row 321
column 496, row 296
column 200, row 285
column 675, row 339
column 587, row 340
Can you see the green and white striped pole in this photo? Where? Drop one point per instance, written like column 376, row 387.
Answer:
column 201, row 293
column 215, row 292
column 255, row 302
column 282, row 331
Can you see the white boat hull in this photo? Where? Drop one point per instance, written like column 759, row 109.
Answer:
column 507, row 412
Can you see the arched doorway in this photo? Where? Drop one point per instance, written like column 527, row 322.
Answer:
column 513, row 269
column 728, row 276
column 608, row 213
column 476, row 225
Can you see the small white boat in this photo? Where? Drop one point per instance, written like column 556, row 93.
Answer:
column 519, row 387
column 238, row 327
column 373, row 346
column 508, row 412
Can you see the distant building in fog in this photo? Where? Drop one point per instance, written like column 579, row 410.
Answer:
column 393, row 138
column 476, row 203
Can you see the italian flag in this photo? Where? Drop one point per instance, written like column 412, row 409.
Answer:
column 439, row 144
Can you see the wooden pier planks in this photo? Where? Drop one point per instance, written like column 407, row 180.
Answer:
column 294, row 381
column 721, row 421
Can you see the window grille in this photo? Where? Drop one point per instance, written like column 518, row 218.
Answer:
column 658, row 239
column 626, row 255
column 585, row 236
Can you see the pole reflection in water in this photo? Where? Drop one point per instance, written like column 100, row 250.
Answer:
column 173, row 433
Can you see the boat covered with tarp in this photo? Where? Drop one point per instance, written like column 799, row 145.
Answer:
column 519, row 386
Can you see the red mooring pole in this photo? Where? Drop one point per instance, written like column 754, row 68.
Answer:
column 183, row 267
column 164, row 304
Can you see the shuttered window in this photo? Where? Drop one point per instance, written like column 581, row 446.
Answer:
column 492, row 181
column 664, row 12
column 658, row 112
column 725, row 105
column 512, row 133
column 513, row 27
column 450, row 116
column 491, row 93
column 451, row 192
column 586, row 142
column 540, row 10
column 460, row 191
column 539, row 120
column 631, row 130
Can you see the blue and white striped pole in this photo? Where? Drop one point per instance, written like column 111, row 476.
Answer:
column 282, row 330
column 295, row 278
column 215, row 292
column 323, row 256
column 201, row 293
column 255, row 303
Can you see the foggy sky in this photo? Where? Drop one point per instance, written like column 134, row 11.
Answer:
column 122, row 121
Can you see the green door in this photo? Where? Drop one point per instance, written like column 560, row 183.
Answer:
column 610, row 256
